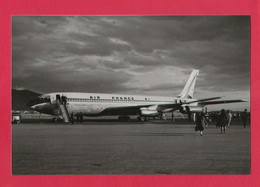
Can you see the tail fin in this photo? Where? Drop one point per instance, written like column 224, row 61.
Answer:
column 188, row 89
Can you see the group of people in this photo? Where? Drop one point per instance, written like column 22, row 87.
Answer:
column 62, row 99
column 229, row 117
column 223, row 119
column 78, row 117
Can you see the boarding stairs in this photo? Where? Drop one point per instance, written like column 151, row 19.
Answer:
column 64, row 112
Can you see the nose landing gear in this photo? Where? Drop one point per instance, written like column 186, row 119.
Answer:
column 56, row 119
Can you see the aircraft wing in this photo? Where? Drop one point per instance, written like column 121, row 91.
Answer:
column 133, row 110
column 163, row 107
column 220, row 102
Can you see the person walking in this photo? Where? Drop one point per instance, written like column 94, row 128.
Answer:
column 81, row 117
column 223, row 121
column 216, row 117
column 244, row 117
column 204, row 119
column 229, row 117
column 199, row 123
column 77, row 117
column 72, row 118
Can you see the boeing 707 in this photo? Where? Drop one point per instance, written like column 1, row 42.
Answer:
column 97, row 104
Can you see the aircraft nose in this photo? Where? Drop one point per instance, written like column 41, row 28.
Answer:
column 32, row 106
column 31, row 103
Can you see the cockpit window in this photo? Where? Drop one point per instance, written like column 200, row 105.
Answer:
column 45, row 98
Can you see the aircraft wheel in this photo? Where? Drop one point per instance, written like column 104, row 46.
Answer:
column 54, row 119
column 142, row 118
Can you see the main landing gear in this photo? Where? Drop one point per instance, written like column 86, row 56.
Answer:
column 142, row 118
column 56, row 119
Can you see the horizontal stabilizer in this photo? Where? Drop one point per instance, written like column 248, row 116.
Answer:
column 208, row 99
column 221, row 102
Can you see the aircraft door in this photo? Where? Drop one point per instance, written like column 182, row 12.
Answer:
column 53, row 99
column 58, row 98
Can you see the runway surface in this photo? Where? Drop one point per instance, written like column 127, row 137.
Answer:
column 154, row 147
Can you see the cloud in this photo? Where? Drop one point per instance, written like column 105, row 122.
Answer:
column 122, row 53
column 82, row 80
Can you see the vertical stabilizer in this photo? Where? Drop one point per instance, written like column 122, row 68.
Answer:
column 188, row 89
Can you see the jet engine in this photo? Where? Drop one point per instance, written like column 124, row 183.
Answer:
column 149, row 111
column 190, row 109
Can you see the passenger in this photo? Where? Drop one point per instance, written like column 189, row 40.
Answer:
column 199, row 123
column 204, row 119
column 215, row 117
column 81, row 117
column 234, row 116
column 77, row 117
column 223, row 120
column 173, row 119
column 244, row 116
column 238, row 115
column 62, row 99
column 194, row 117
column 229, row 117
column 58, row 98
column 72, row 118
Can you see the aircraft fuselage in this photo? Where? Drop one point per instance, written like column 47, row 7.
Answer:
column 96, row 104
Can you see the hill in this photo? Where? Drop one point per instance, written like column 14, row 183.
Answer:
column 20, row 98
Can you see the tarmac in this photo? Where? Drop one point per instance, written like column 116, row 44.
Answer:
column 110, row 147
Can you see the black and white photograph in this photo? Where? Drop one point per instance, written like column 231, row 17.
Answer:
column 127, row 95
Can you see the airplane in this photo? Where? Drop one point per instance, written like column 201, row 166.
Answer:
column 98, row 104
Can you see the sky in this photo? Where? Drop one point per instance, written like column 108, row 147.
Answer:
column 134, row 55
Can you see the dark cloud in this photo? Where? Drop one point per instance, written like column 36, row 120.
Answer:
column 151, row 32
column 29, row 25
column 78, row 81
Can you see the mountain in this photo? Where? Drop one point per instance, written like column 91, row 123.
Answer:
column 20, row 98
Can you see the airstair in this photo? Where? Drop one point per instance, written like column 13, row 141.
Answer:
column 64, row 111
